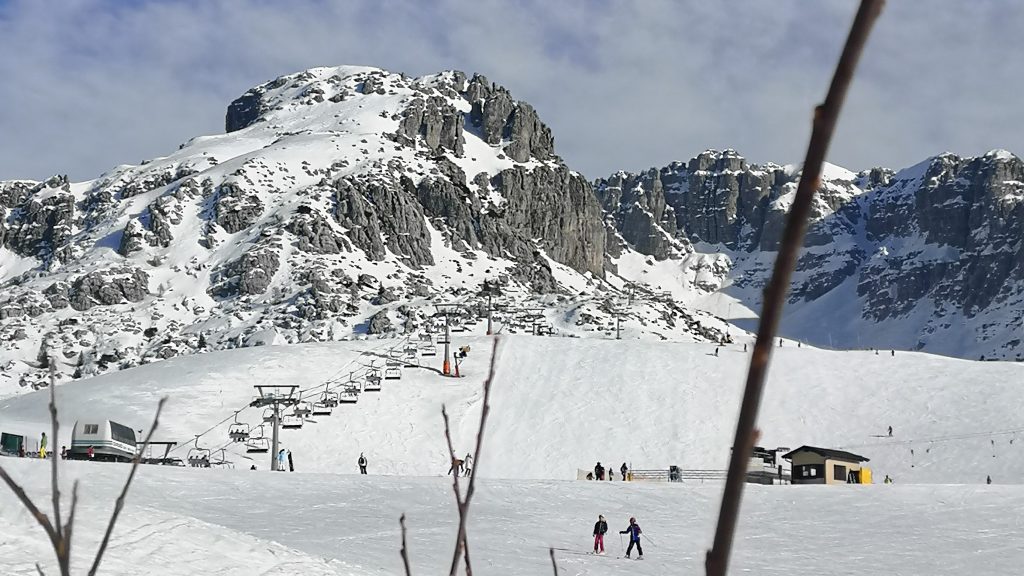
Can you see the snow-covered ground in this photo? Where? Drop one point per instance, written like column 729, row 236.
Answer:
column 558, row 404
column 561, row 404
column 236, row 522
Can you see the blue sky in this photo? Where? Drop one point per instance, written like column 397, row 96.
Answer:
column 629, row 84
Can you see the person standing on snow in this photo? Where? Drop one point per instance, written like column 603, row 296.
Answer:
column 599, row 471
column 624, row 469
column 600, row 528
column 42, row 446
column 362, row 463
column 280, row 460
column 456, row 467
column 467, row 465
column 634, row 532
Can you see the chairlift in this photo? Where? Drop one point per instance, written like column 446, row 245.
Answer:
column 411, row 349
column 199, row 457
column 426, row 337
column 268, row 415
column 291, row 422
column 223, row 462
column 393, row 373
column 349, row 394
column 440, row 338
column 302, row 409
column 322, row 409
column 458, row 328
column 430, row 350
column 238, row 431
column 372, row 383
column 257, row 443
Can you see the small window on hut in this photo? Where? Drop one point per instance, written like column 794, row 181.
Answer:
column 839, row 472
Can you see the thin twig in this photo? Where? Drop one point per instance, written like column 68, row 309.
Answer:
column 124, row 491
column 464, row 506
column 69, row 526
column 54, row 479
column 38, row 514
column 40, row 569
column 554, row 566
column 404, row 552
column 825, row 117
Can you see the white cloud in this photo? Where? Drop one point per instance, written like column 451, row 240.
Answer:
column 90, row 84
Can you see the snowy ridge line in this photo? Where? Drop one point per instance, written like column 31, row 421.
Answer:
column 333, row 378
column 950, row 438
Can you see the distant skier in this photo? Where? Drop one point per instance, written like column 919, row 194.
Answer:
column 253, row 467
column 780, row 342
column 90, row 453
column 281, row 457
column 893, row 352
column 42, row 446
column 988, row 479
column 63, row 452
column 599, row 471
column 362, row 463
column 624, row 469
column 887, row 480
column 634, row 532
column 600, row 528
column 467, row 465
column 744, row 346
column 716, row 352
column 890, row 431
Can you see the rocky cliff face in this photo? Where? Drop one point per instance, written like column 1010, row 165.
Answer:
column 928, row 258
column 341, row 202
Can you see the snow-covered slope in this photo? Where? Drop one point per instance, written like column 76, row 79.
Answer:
column 561, row 404
column 237, row 523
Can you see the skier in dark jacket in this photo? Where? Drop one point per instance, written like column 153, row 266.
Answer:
column 600, row 528
column 362, row 463
column 599, row 471
column 624, row 470
column 634, row 532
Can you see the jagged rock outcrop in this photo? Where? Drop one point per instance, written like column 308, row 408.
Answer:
column 236, row 209
column 106, row 288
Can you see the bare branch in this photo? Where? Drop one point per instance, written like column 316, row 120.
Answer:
column 40, row 569
column 554, row 566
column 69, row 526
column 54, row 479
column 825, row 118
column 460, row 539
column 41, row 518
column 119, row 505
column 405, row 552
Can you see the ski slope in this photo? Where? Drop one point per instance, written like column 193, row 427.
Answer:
column 238, row 523
column 561, row 404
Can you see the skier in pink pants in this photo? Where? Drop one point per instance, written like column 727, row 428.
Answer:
column 600, row 528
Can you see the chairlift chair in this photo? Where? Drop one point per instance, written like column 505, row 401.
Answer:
column 199, row 457
column 393, row 373
column 440, row 338
column 291, row 422
column 322, row 409
column 349, row 394
column 430, row 350
column 238, row 431
column 425, row 337
column 268, row 415
column 257, row 445
column 372, row 384
column 302, row 409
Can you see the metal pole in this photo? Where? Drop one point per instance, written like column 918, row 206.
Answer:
column 489, row 308
column 618, row 327
column 273, row 452
column 447, row 344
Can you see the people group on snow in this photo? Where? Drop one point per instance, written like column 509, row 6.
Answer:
column 600, row 471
